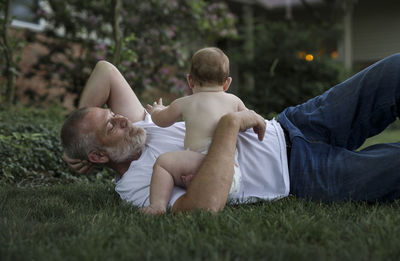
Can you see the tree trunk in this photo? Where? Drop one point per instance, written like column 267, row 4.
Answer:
column 10, row 69
column 117, row 7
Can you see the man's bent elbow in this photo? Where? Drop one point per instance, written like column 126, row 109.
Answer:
column 230, row 119
column 104, row 63
column 105, row 67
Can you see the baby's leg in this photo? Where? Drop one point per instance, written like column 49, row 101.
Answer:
column 180, row 165
column 167, row 172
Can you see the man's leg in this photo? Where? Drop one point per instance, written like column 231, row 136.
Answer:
column 329, row 173
column 352, row 111
column 106, row 85
column 326, row 129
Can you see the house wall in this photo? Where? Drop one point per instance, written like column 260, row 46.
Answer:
column 376, row 30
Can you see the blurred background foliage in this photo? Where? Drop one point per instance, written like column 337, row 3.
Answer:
column 292, row 63
column 156, row 39
column 272, row 68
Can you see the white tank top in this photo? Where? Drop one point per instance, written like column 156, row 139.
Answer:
column 263, row 164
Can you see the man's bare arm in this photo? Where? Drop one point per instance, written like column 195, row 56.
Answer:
column 210, row 187
column 106, row 85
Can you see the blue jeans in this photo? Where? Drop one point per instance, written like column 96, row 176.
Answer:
column 326, row 130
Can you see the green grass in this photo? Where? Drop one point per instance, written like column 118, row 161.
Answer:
column 390, row 135
column 90, row 222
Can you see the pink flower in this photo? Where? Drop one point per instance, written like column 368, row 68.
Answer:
column 164, row 71
column 146, row 81
column 131, row 75
column 171, row 33
column 100, row 46
column 126, row 63
column 92, row 20
column 99, row 57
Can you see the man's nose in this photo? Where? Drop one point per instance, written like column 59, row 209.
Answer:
column 122, row 121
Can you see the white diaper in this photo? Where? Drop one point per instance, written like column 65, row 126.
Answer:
column 237, row 174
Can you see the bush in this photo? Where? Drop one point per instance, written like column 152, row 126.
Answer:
column 158, row 37
column 283, row 76
column 31, row 151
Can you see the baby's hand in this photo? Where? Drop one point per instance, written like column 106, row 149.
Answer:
column 153, row 210
column 157, row 106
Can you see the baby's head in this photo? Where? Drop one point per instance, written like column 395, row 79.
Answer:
column 209, row 68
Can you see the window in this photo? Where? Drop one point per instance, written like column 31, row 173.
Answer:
column 24, row 13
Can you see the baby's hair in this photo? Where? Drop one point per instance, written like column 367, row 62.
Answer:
column 209, row 66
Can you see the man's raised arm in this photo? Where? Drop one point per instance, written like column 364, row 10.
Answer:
column 210, row 186
column 106, row 85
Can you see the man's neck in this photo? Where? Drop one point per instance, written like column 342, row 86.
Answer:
column 122, row 167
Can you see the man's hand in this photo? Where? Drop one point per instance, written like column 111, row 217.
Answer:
column 250, row 119
column 79, row 166
column 157, row 106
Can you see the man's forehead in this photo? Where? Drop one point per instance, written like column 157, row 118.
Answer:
column 95, row 119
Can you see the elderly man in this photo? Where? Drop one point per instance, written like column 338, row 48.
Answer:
column 319, row 137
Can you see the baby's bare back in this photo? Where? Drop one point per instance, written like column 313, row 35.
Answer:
column 201, row 112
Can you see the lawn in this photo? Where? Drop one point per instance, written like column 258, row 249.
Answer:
column 89, row 222
column 390, row 135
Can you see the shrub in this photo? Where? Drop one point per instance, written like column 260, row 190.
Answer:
column 31, row 151
column 282, row 75
column 158, row 37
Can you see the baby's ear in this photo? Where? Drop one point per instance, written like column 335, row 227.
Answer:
column 98, row 157
column 189, row 80
column 227, row 84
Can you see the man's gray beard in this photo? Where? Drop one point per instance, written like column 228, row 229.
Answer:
column 131, row 147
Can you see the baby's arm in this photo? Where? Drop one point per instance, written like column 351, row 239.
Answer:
column 165, row 116
column 241, row 106
column 167, row 171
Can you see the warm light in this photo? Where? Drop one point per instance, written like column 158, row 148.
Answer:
column 309, row 57
column 334, row 54
column 301, row 55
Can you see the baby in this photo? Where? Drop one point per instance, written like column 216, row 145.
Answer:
column 208, row 79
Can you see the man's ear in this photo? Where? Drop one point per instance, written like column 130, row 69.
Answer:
column 227, row 84
column 98, row 157
column 189, row 80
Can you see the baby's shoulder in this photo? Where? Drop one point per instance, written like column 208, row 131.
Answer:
column 232, row 97
column 184, row 101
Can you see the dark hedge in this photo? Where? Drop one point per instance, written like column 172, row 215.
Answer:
column 31, row 152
